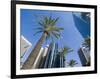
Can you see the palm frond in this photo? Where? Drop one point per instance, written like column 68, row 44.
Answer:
column 54, row 21
column 72, row 63
column 65, row 50
column 56, row 35
column 46, row 20
column 38, row 28
column 37, row 32
column 41, row 23
column 57, row 29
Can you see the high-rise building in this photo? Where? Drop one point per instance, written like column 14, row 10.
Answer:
column 52, row 59
column 82, row 25
column 49, row 57
column 25, row 45
column 84, row 55
column 38, row 59
column 44, row 55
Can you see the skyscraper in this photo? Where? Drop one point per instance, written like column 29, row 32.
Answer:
column 84, row 55
column 41, row 58
column 38, row 59
column 53, row 59
column 49, row 57
column 82, row 23
column 25, row 45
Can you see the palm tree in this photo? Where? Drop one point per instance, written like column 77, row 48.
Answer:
column 65, row 50
column 48, row 30
column 72, row 63
column 87, row 42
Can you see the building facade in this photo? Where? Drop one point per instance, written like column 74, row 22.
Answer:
column 84, row 55
column 82, row 24
column 50, row 57
column 38, row 59
column 25, row 46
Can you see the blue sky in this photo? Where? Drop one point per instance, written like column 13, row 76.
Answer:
column 70, row 35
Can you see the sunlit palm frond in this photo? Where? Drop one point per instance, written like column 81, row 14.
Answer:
column 54, row 28
column 65, row 50
column 57, row 35
column 54, row 21
column 57, row 29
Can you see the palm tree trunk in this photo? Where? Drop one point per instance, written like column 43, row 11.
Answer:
column 31, row 59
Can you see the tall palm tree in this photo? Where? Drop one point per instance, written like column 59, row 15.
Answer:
column 65, row 50
column 72, row 63
column 48, row 30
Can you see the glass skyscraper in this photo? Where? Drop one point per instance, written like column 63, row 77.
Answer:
column 82, row 23
column 84, row 55
column 52, row 58
column 51, row 55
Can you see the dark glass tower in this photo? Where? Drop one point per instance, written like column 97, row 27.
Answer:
column 84, row 55
column 52, row 58
column 51, row 55
column 82, row 25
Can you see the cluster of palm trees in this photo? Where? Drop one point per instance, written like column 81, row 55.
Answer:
column 49, row 30
column 64, row 51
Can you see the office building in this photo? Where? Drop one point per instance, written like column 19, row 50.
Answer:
column 25, row 45
column 82, row 25
column 40, row 57
column 84, row 55
column 52, row 59
column 49, row 57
